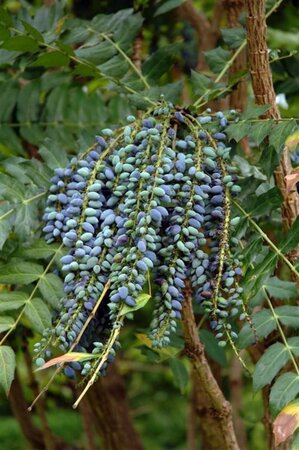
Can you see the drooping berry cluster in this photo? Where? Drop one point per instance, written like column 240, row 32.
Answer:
column 151, row 198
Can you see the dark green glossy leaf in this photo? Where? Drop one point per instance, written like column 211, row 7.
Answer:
column 288, row 315
column 269, row 160
column 284, row 390
column 180, row 374
column 7, row 367
column 167, row 6
column 20, row 272
column 268, row 366
column 293, row 343
column 281, row 289
column 238, row 130
column 32, row 31
column 217, row 58
column 6, row 323
column 280, row 133
column 264, row 323
column 233, row 37
column 20, row 44
column 259, row 130
column 39, row 249
column 51, row 59
column 159, row 62
column 212, row 348
column 200, row 83
column 51, row 288
column 38, row 314
column 291, row 239
column 52, row 155
column 254, row 111
column 10, row 300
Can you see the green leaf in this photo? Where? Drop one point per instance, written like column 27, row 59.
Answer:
column 5, row 228
column 4, row 33
column 280, row 133
column 238, row 130
column 288, row 315
column 5, row 17
column 281, row 289
column 254, row 111
column 217, row 58
column 20, row 272
column 97, row 54
column 264, row 323
column 200, row 83
column 284, row 390
column 292, row 238
column 52, row 154
column 12, row 300
column 293, row 343
column 265, row 203
column 51, row 288
column 38, row 314
column 233, row 37
column 212, row 348
column 51, row 59
column 32, row 31
column 180, row 374
column 6, row 323
column 160, row 62
column 168, row 6
column 268, row 366
column 141, row 301
column 39, row 249
column 7, row 367
column 268, row 161
column 259, row 130
column 20, row 44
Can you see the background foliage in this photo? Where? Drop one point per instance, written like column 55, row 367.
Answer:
column 66, row 72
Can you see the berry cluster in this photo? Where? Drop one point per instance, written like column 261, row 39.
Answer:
column 151, row 198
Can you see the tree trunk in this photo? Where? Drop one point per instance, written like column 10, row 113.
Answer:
column 238, row 96
column 262, row 84
column 215, row 411
column 33, row 435
column 111, row 415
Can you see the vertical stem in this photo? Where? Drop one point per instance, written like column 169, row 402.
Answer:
column 47, row 434
column 218, row 414
column 191, row 417
column 88, row 425
column 238, row 96
column 262, row 84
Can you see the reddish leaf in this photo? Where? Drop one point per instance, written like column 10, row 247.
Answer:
column 67, row 357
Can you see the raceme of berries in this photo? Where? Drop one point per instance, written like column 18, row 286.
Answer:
column 150, row 200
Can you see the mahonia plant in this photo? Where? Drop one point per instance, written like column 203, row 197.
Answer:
column 151, row 200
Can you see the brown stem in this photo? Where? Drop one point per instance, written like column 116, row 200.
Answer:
column 191, row 420
column 33, row 384
column 88, row 425
column 236, row 390
column 111, row 414
column 265, row 95
column 137, row 51
column 32, row 434
column 219, row 430
column 238, row 96
column 207, row 32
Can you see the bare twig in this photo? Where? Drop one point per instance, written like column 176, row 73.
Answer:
column 47, row 434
